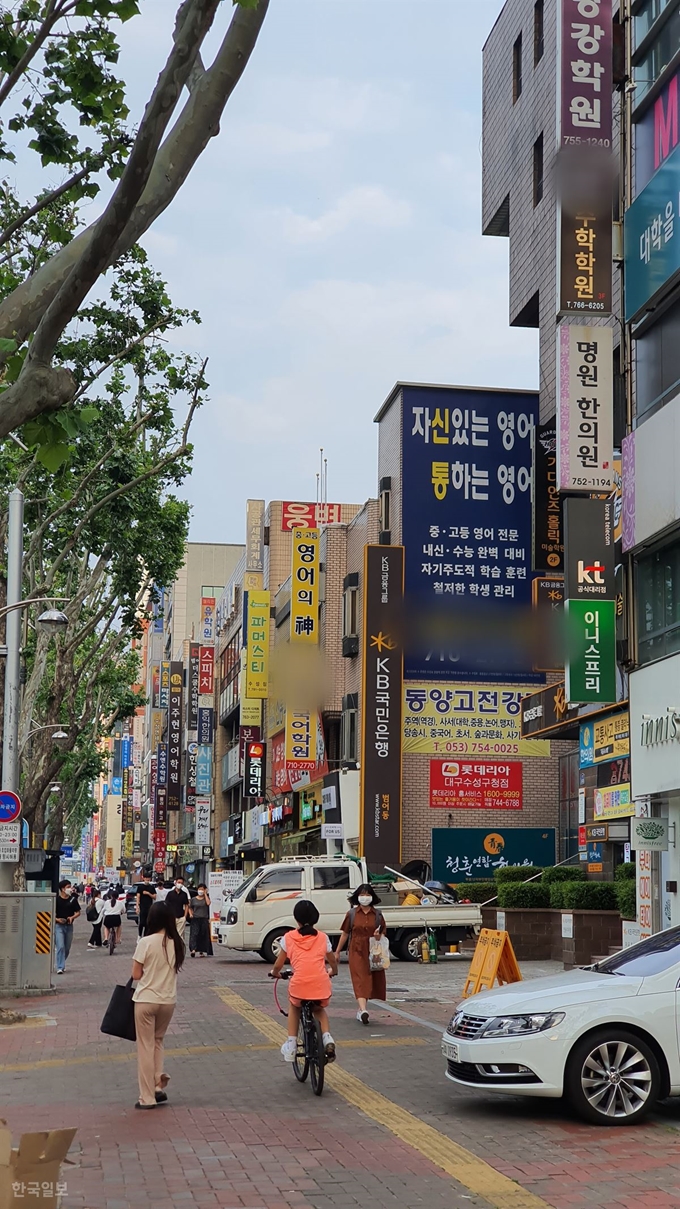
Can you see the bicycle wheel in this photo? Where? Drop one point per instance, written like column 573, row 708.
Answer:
column 317, row 1058
column 112, row 940
column 301, row 1062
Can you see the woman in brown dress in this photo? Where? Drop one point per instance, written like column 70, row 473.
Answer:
column 367, row 922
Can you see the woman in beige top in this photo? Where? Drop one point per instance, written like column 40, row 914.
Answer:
column 157, row 960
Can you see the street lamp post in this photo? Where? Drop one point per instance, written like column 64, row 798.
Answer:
column 52, row 619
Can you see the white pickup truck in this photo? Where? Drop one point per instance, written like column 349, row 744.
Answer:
column 257, row 914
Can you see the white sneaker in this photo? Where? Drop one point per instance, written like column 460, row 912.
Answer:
column 289, row 1049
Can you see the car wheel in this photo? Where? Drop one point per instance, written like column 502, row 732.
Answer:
column 409, row 947
column 612, row 1077
column 270, row 946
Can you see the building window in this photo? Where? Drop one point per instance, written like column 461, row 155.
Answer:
column 657, row 56
column 538, row 170
column 539, row 45
column 349, row 736
column 658, row 604
column 385, row 510
column 517, row 70
column 350, row 613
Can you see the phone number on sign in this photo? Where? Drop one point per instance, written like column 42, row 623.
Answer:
column 468, row 747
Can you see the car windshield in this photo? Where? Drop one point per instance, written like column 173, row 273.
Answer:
column 651, row 956
column 241, row 890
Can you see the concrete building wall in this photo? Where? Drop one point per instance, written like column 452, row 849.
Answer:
column 208, row 564
column 333, row 557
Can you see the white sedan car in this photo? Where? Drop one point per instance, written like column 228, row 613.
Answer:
column 606, row 1037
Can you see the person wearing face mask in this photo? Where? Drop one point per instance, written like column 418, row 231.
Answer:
column 361, row 922
column 199, row 914
column 177, row 900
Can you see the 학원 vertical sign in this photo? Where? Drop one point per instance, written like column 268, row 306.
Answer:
column 300, row 741
column 585, row 39
column 256, row 610
column 175, row 735
column 162, row 764
column 548, row 535
column 304, row 590
column 381, row 730
column 206, row 632
column 255, row 535
column 585, row 431
column 192, row 703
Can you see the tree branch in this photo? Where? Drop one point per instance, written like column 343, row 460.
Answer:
column 49, row 198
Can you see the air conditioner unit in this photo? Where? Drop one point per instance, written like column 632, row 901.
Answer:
column 26, row 942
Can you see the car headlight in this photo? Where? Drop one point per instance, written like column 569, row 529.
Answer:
column 521, row 1026
column 232, row 915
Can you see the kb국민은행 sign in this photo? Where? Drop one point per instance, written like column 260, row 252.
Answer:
column 256, row 609
column 466, row 720
column 381, row 718
column 475, row 784
column 585, row 431
column 304, row 587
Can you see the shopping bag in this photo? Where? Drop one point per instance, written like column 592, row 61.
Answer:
column 119, row 1017
column 379, row 953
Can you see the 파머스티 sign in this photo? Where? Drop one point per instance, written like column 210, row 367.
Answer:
column 475, row 784
column 466, row 720
column 256, row 611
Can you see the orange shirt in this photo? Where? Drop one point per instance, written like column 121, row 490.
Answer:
column 307, row 955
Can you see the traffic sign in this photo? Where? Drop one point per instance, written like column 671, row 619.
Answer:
column 10, row 842
column 10, row 806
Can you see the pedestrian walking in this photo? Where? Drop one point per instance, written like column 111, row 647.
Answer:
column 161, row 891
column 113, row 916
column 66, row 910
column 178, row 901
column 95, row 915
column 199, row 914
column 146, row 896
column 361, row 923
column 157, row 961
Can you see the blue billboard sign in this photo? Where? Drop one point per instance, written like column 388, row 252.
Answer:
column 125, row 751
column 467, row 532
column 466, row 854
column 203, row 771
column 652, row 238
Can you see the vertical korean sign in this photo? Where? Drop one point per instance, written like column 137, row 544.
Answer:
column 175, row 735
column 467, row 532
column 584, row 171
column 207, row 624
column 304, row 593
column 256, row 608
column 255, row 535
column 381, row 715
column 548, row 536
column 590, row 604
column 192, row 703
column 585, row 431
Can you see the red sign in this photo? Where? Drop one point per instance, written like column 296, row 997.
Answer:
column 586, row 71
column 582, row 838
column 309, row 516
column 246, row 734
column 160, row 839
column 470, row 784
column 206, row 667
column 254, row 772
column 280, row 778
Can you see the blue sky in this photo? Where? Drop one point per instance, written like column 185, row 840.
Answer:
column 330, row 238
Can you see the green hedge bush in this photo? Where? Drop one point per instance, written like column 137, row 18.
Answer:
column 516, row 873
column 556, row 895
column 625, row 872
column 589, row 896
column 477, row 892
column 564, row 873
column 626, row 897
column 534, row 895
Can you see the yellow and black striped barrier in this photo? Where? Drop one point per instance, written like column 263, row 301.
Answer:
column 43, row 932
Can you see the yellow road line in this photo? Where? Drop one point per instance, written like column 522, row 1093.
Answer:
column 461, row 1164
column 185, row 1051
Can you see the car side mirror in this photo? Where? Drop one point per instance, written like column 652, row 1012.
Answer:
column 252, row 896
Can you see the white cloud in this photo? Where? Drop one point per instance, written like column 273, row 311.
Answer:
column 367, row 205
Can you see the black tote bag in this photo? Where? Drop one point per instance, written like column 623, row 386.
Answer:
column 119, row 1017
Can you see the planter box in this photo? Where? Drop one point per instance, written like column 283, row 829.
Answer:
column 572, row 937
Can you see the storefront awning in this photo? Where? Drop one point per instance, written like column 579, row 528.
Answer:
column 546, row 714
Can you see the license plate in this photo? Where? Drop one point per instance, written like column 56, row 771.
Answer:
column 450, row 1051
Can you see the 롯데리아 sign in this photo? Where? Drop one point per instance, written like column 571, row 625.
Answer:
column 467, row 464
column 466, row 720
column 466, row 784
column 256, row 610
column 652, row 240
column 585, row 432
column 254, row 774
column 304, row 589
column 381, row 729
column 462, row 854
column 175, row 736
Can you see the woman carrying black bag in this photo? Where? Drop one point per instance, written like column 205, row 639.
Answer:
column 157, row 961
column 95, row 915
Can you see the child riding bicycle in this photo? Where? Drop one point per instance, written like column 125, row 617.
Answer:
column 308, row 952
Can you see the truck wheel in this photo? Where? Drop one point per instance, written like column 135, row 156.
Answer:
column 270, row 946
column 409, row 947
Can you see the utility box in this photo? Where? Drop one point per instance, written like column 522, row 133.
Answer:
column 26, row 942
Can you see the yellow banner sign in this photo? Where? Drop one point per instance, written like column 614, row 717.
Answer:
column 304, row 592
column 251, row 711
column 157, row 724
column 467, row 720
column 613, row 802
column 257, row 645
column 611, row 738
column 300, row 741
